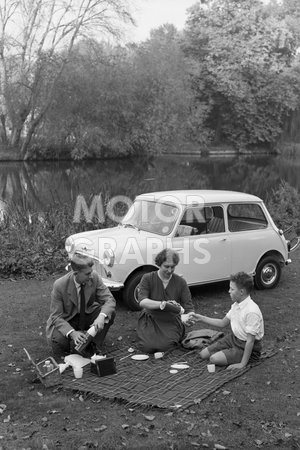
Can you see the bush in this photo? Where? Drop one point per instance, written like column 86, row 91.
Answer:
column 32, row 245
column 284, row 206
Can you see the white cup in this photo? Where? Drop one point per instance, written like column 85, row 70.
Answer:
column 78, row 372
column 211, row 368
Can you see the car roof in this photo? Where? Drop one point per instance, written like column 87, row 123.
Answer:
column 190, row 197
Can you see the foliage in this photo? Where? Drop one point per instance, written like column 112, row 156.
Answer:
column 243, row 55
column 162, row 77
column 284, row 206
column 113, row 100
column 34, row 53
column 232, row 77
column 32, row 244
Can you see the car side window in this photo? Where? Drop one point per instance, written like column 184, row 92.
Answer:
column 243, row 217
column 201, row 220
column 214, row 219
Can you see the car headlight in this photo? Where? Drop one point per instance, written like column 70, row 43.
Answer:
column 69, row 245
column 109, row 257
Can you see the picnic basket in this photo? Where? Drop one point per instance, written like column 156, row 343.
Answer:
column 51, row 378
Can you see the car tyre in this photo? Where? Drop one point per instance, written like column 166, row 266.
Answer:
column 130, row 290
column 268, row 273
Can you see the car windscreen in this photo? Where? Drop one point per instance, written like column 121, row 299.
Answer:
column 154, row 217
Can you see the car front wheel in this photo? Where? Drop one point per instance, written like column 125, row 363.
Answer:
column 130, row 290
column 268, row 273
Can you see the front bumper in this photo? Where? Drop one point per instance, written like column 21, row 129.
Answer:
column 99, row 267
column 112, row 285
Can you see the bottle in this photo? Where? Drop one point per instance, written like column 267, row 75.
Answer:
column 91, row 332
column 48, row 366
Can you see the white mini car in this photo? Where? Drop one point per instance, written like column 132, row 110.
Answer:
column 216, row 233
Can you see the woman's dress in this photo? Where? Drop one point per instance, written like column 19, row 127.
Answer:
column 160, row 330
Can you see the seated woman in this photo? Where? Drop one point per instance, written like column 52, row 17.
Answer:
column 167, row 304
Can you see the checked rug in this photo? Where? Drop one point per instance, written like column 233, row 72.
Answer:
column 149, row 383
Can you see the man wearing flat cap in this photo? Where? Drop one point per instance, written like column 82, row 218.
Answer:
column 79, row 300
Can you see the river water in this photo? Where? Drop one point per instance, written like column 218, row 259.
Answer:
column 36, row 185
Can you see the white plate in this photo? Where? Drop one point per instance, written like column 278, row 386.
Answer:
column 180, row 366
column 140, row 357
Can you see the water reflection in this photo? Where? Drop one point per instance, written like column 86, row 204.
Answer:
column 34, row 186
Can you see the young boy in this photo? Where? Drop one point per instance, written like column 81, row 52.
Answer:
column 247, row 327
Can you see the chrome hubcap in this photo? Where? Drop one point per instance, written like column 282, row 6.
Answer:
column 269, row 274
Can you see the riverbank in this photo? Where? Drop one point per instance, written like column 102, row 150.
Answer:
column 288, row 149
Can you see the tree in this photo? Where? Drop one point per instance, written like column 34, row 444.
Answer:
column 243, row 54
column 36, row 41
column 114, row 100
column 162, row 90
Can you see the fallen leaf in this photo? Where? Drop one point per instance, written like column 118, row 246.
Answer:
column 219, row 447
column 101, row 428
column 226, row 392
column 149, row 417
column 125, row 426
column 238, row 424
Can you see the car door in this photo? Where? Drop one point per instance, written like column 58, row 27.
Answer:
column 203, row 245
column 250, row 235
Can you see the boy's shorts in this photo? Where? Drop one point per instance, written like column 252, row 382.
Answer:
column 233, row 348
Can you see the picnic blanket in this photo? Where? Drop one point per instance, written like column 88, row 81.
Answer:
column 150, row 383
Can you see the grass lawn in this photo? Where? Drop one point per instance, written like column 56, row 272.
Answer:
column 261, row 409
